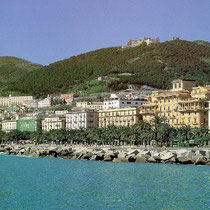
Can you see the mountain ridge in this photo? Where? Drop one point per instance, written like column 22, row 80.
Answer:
column 155, row 65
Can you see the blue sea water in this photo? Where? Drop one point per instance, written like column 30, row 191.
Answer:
column 49, row 183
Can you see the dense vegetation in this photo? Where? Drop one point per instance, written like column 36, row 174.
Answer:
column 11, row 69
column 155, row 65
column 140, row 134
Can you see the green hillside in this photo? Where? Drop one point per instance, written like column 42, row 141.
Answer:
column 12, row 69
column 155, row 65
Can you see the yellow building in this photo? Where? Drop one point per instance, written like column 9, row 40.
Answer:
column 119, row 117
column 183, row 105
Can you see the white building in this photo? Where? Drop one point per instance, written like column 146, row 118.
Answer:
column 31, row 104
column 209, row 116
column 53, row 123
column 9, row 125
column 90, row 105
column 117, row 103
column 82, row 119
column 14, row 100
column 47, row 102
column 61, row 112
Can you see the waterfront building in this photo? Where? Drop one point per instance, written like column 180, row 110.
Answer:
column 53, row 123
column 30, row 125
column 85, row 118
column 9, row 125
column 183, row 105
column 119, row 117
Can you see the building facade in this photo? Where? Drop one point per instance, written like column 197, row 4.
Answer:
column 9, row 125
column 117, row 103
column 14, row 100
column 183, row 105
column 119, row 117
column 47, row 102
column 30, row 125
column 82, row 119
column 53, row 123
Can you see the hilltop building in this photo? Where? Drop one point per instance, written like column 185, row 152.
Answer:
column 148, row 41
column 185, row 104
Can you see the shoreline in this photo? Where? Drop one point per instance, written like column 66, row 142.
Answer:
column 199, row 156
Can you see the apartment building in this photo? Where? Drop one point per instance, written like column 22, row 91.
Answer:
column 208, row 108
column 14, row 100
column 30, row 125
column 85, row 118
column 183, row 105
column 90, row 105
column 119, row 117
column 47, row 102
column 9, row 125
column 53, row 123
column 61, row 112
column 117, row 103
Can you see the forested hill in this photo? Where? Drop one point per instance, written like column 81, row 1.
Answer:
column 154, row 65
column 12, row 68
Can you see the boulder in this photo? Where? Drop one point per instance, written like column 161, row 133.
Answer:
column 166, row 156
column 185, row 160
column 87, row 156
column 157, row 156
column 132, row 158
column 181, row 153
column 152, row 160
column 200, row 161
column 122, row 157
column 140, row 159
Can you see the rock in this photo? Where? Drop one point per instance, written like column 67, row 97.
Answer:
column 145, row 154
column 122, row 157
column 184, row 160
column 156, row 156
column 140, row 159
column 99, row 156
column 116, row 160
column 200, row 161
column 135, row 152
column 132, row 158
column 93, row 157
column 152, row 160
column 87, row 156
column 181, row 153
column 167, row 156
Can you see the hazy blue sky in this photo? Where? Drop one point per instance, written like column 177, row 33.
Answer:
column 45, row 31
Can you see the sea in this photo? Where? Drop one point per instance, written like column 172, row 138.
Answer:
column 50, row 183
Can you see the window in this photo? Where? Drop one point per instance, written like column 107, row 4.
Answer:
column 128, row 102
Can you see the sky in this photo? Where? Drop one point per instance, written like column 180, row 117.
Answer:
column 46, row 31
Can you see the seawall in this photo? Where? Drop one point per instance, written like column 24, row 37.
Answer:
column 114, row 154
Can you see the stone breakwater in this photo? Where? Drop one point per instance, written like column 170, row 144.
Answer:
column 138, row 155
